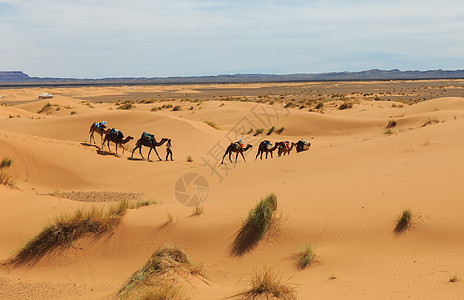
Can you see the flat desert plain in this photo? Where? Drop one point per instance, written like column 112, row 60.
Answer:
column 372, row 210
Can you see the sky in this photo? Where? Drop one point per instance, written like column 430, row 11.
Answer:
column 155, row 38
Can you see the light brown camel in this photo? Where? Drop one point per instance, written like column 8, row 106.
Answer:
column 148, row 140
column 98, row 128
column 237, row 148
column 265, row 147
column 285, row 149
column 116, row 137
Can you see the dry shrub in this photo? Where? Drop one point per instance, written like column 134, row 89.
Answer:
column 68, row 228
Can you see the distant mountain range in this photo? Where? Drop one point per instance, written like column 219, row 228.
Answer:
column 11, row 78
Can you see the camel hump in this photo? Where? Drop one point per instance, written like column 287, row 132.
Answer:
column 147, row 136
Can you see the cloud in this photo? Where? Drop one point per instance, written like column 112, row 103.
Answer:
column 160, row 38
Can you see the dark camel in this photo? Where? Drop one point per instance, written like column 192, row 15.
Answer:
column 264, row 148
column 235, row 147
column 116, row 137
column 148, row 141
column 302, row 145
column 101, row 130
column 284, row 149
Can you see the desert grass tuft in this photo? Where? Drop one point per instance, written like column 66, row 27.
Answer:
column 68, row 228
column 266, row 284
column 430, row 122
column 280, row 130
column 167, row 259
column 258, row 222
column 6, row 162
column 142, row 204
column 304, row 257
column 454, row 278
column 404, row 222
column 197, row 210
column 270, row 131
column 212, row 124
column 189, row 158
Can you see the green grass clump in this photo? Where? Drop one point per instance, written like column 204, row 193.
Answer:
column 258, row 222
column 266, row 284
column 6, row 162
column 67, row 229
column 404, row 221
column 305, row 257
column 126, row 106
column 44, row 107
column 166, row 260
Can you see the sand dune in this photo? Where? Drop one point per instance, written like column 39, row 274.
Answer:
column 343, row 196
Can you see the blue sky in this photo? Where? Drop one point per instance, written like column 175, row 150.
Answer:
column 151, row 38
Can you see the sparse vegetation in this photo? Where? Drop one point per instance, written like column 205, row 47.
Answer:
column 305, row 257
column 430, row 122
column 126, row 105
column 280, row 130
column 454, row 278
column 189, row 158
column 197, row 210
column 44, row 107
column 167, row 260
column 319, row 105
column 266, row 284
column 388, row 131
column 142, row 203
column 404, row 221
column 212, row 124
column 346, row 105
column 65, row 230
column 258, row 222
column 7, row 179
column 177, row 108
column 72, row 113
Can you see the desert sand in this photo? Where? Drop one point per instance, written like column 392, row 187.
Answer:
column 343, row 196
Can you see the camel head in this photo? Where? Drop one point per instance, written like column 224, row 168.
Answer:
column 127, row 139
column 248, row 147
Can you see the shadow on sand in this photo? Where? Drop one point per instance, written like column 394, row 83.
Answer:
column 104, row 152
column 90, row 145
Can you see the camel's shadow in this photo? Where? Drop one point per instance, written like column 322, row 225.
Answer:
column 90, row 145
column 104, row 153
column 136, row 159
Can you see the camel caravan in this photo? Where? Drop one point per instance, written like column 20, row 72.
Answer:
column 148, row 140
column 117, row 137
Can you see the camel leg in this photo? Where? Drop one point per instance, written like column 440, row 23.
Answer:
column 257, row 154
column 236, row 156
column 136, row 146
column 90, row 138
column 241, row 152
column 140, row 150
column 154, row 148
column 224, row 156
column 230, row 155
column 267, row 154
column 271, row 154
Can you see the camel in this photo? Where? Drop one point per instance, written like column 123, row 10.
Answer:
column 148, row 140
column 98, row 128
column 235, row 147
column 116, row 137
column 285, row 149
column 263, row 147
column 302, row 145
